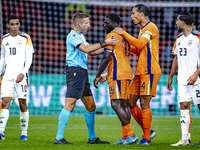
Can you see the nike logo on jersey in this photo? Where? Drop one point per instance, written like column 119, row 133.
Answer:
column 74, row 73
column 7, row 44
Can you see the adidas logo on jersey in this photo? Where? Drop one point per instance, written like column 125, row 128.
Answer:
column 7, row 44
column 182, row 121
column 25, row 95
column 179, row 43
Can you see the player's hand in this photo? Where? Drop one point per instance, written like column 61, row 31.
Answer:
column 96, row 81
column 192, row 79
column 118, row 30
column 111, row 41
column 169, row 84
column 19, row 78
column 101, row 80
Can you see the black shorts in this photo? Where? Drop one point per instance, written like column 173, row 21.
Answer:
column 78, row 85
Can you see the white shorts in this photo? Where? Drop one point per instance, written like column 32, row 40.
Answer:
column 10, row 87
column 189, row 93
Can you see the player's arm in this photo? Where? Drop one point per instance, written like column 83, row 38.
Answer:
column 90, row 48
column 103, row 65
column 28, row 60
column 134, row 50
column 138, row 43
column 192, row 79
column 97, row 52
column 2, row 63
column 174, row 68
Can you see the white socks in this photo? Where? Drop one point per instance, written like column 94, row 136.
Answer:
column 4, row 115
column 185, row 123
column 24, row 118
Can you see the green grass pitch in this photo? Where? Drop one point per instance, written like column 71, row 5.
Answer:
column 42, row 132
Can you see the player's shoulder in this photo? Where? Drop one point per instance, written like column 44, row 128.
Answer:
column 180, row 35
column 151, row 28
column 5, row 36
column 196, row 33
column 113, row 34
column 25, row 35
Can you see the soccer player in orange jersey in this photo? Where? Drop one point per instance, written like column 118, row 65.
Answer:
column 148, row 70
column 119, row 76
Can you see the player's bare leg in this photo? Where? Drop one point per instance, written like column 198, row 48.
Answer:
column 121, row 108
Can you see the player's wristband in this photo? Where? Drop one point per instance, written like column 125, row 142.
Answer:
column 103, row 44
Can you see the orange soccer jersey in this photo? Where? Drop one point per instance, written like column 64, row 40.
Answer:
column 119, row 66
column 148, row 62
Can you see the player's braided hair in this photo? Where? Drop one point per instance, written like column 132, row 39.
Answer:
column 186, row 17
column 143, row 8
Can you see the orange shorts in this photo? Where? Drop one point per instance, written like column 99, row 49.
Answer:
column 144, row 84
column 119, row 89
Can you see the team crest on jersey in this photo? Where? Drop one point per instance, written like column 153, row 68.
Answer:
column 19, row 42
column 189, row 42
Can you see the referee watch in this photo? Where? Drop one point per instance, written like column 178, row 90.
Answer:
column 103, row 44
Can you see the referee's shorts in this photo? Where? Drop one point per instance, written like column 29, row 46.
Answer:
column 78, row 85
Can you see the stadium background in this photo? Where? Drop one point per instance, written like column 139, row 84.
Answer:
column 48, row 22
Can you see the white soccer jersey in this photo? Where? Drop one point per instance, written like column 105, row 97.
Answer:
column 187, row 50
column 14, row 51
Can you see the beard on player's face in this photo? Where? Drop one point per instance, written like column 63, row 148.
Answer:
column 180, row 29
column 108, row 29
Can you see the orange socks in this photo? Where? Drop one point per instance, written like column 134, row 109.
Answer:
column 129, row 130
column 146, row 119
column 137, row 115
column 124, row 133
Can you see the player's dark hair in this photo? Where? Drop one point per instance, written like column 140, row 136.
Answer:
column 143, row 8
column 12, row 17
column 186, row 17
column 77, row 16
column 114, row 18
